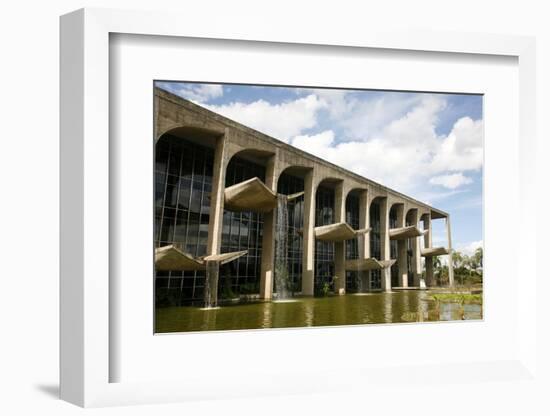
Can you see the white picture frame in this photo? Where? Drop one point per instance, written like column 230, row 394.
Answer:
column 86, row 355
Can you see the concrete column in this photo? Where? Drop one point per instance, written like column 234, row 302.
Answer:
column 268, row 238
column 402, row 250
column 308, row 258
column 427, row 244
column 416, row 264
column 450, row 248
column 385, row 242
column 364, row 240
column 215, row 224
column 339, row 247
column 364, row 222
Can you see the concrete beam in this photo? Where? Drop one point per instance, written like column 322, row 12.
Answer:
column 337, row 232
column 405, row 232
column 368, row 264
column 434, row 251
column 171, row 257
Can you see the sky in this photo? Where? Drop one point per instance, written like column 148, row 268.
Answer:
column 428, row 146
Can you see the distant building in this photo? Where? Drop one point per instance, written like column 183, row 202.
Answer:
column 344, row 231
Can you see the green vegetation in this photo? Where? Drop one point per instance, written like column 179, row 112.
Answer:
column 462, row 298
column 468, row 270
column 326, row 288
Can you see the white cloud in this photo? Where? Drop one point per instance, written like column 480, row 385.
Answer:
column 405, row 145
column 199, row 93
column 462, row 149
column 406, row 152
column 451, row 181
column 281, row 121
column 317, row 144
column 390, row 138
column 470, row 247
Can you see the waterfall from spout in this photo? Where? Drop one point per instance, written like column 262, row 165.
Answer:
column 211, row 284
column 281, row 248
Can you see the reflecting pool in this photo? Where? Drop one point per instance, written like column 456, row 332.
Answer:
column 350, row 309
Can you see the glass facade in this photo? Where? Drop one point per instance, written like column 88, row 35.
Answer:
column 287, row 185
column 352, row 246
column 393, row 249
column 375, row 244
column 324, row 251
column 183, row 182
column 242, row 231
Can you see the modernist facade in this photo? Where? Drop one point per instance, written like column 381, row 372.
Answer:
column 218, row 192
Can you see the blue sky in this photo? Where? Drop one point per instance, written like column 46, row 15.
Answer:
column 428, row 146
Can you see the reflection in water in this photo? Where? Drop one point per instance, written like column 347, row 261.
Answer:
column 388, row 316
column 308, row 314
column 405, row 306
column 267, row 315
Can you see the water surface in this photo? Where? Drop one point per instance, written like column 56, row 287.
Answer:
column 350, row 309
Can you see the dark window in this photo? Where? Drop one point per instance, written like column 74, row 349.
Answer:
column 241, row 231
column 352, row 246
column 375, row 243
column 288, row 185
column 183, row 174
column 324, row 251
column 393, row 249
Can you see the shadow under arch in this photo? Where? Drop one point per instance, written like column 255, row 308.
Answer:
column 290, row 181
column 325, row 250
column 244, row 228
column 355, row 281
column 375, row 239
column 396, row 219
column 195, row 134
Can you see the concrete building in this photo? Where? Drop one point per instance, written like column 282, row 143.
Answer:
column 218, row 187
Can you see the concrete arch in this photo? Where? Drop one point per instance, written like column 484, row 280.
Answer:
column 299, row 171
column 411, row 216
column 193, row 132
column 256, row 155
column 377, row 199
column 328, row 181
column 399, row 209
column 358, row 189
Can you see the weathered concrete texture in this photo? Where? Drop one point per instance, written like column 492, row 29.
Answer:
column 371, row 263
column 252, row 195
column 434, row 251
column 172, row 258
column 404, row 233
column 341, row 231
column 385, row 242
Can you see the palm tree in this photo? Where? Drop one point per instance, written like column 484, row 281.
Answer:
column 478, row 256
column 458, row 263
column 457, row 259
column 437, row 267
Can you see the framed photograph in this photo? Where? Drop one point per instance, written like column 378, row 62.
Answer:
column 250, row 215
